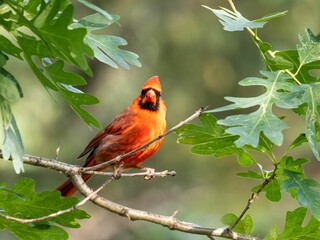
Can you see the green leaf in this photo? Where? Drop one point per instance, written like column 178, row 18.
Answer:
column 34, row 205
column 250, row 174
column 12, row 143
column 8, row 47
column 58, row 75
column 271, row 16
column 279, row 92
column 312, row 98
column 210, row 138
column 76, row 99
column 96, row 8
column 245, row 159
column 10, row 89
column 303, row 72
column 52, row 26
column 234, row 21
column 306, row 190
column 105, row 47
column 296, row 228
column 298, row 141
column 291, row 164
column 36, row 232
column 272, row 190
column 309, row 48
column 245, row 225
column 278, row 62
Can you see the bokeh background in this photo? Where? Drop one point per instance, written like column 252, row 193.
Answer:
column 198, row 64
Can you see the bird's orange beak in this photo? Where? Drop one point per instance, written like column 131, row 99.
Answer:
column 150, row 96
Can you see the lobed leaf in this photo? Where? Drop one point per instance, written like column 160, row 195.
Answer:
column 278, row 92
column 10, row 91
column 312, row 98
column 304, row 189
column 210, row 138
column 52, row 26
column 295, row 227
column 234, row 21
column 105, row 47
column 34, row 205
column 309, row 47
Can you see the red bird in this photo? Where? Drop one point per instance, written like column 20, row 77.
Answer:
column 136, row 125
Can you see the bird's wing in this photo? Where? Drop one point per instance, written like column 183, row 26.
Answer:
column 120, row 125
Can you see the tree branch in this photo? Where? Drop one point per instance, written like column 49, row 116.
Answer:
column 171, row 222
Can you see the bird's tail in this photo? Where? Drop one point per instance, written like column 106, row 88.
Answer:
column 67, row 188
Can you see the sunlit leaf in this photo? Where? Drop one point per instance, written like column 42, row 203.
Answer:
column 309, row 47
column 8, row 47
column 234, row 21
column 278, row 92
column 105, row 47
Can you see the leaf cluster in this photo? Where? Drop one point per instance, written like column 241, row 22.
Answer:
column 287, row 83
column 46, row 36
column 23, row 202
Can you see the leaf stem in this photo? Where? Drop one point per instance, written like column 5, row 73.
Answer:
column 271, row 53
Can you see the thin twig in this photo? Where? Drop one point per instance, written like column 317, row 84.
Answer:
column 254, row 196
column 164, row 173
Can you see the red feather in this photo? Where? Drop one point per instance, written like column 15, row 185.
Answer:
column 136, row 125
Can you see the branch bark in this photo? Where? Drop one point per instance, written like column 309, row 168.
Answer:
column 170, row 222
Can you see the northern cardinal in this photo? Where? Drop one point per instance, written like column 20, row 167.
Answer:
column 136, row 125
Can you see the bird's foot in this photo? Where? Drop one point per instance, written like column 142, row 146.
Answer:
column 117, row 172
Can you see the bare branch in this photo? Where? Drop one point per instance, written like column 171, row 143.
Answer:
column 170, row 222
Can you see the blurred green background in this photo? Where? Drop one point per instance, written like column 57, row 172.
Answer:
column 198, row 64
